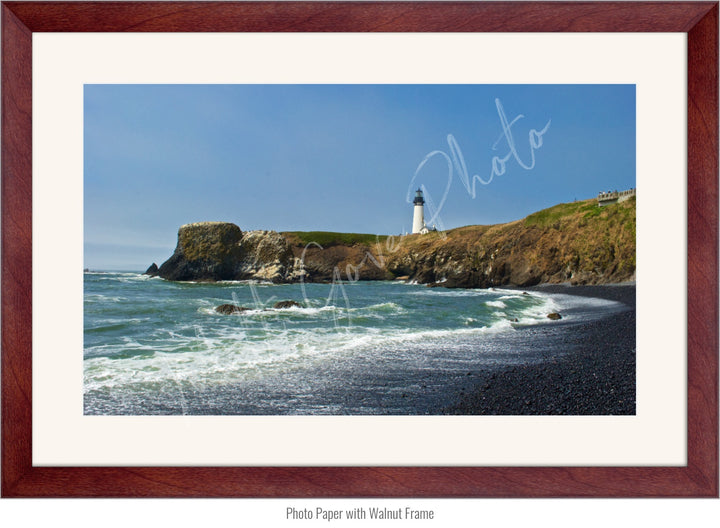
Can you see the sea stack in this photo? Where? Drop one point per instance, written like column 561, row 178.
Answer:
column 152, row 270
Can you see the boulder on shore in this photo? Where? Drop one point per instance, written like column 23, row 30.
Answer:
column 554, row 316
column 229, row 309
column 287, row 304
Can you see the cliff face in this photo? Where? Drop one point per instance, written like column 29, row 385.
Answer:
column 578, row 242
column 328, row 256
column 204, row 251
column 214, row 251
column 266, row 256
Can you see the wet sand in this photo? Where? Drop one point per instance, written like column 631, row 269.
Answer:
column 589, row 367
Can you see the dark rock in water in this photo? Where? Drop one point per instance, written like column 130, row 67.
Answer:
column 425, row 275
column 554, row 316
column 229, row 309
column 152, row 270
column 465, row 279
column 287, row 304
column 205, row 251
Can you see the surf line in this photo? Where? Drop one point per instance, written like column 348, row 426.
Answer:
column 498, row 165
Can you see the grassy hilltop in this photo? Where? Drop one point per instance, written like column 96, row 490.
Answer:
column 329, row 238
column 577, row 242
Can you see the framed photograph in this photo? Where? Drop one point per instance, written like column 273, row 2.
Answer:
column 320, row 249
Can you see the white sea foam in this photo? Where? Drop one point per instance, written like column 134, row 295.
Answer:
column 234, row 354
column 443, row 292
column 139, row 278
column 189, row 343
column 104, row 298
column 247, row 282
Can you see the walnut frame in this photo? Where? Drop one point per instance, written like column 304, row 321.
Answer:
column 698, row 479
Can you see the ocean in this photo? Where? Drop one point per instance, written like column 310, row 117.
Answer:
column 153, row 347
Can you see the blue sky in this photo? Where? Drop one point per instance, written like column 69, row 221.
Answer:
column 337, row 157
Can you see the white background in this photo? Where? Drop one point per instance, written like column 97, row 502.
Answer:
column 81, row 513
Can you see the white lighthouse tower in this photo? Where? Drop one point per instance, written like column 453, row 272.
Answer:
column 418, row 225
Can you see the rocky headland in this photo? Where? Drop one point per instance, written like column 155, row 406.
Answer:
column 579, row 243
column 216, row 251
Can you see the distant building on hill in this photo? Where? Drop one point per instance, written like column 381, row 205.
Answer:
column 611, row 197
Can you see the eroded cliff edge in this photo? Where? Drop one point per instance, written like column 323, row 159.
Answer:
column 215, row 251
column 578, row 242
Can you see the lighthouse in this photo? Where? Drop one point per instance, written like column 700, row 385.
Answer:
column 418, row 225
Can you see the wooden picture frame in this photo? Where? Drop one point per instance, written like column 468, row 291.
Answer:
column 699, row 478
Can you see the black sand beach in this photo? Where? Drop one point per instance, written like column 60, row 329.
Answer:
column 582, row 364
column 595, row 375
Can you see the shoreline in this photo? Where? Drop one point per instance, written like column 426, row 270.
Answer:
column 594, row 374
column 583, row 363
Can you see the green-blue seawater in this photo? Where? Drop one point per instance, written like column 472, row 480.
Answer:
column 158, row 347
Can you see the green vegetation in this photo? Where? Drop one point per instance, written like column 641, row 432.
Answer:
column 329, row 238
column 550, row 216
column 576, row 242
